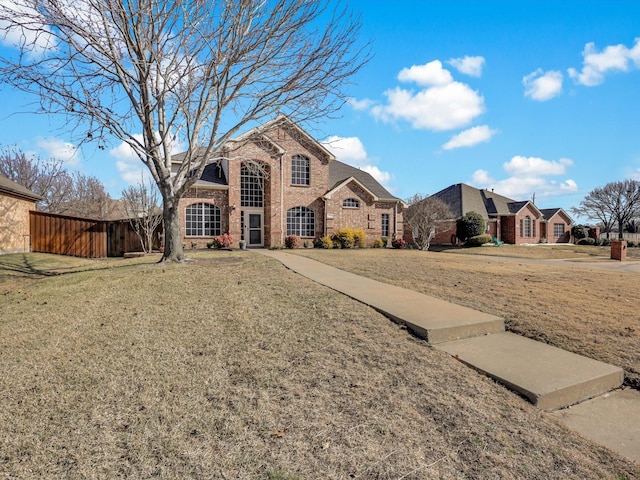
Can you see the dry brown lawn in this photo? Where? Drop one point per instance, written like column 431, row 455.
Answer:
column 232, row 367
column 593, row 312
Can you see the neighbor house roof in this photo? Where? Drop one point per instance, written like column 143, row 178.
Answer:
column 340, row 172
column 463, row 198
column 12, row 188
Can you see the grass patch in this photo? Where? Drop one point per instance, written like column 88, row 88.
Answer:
column 231, row 366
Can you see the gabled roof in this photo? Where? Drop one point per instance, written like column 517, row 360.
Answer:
column 549, row 213
column 12, row 188
column 212, row 176
column 341, row 173
column 463, row 198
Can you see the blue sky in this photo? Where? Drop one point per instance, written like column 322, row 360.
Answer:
column 524, row 97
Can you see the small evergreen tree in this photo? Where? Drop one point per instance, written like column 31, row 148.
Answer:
column 469, row 225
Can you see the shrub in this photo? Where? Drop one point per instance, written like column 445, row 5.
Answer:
column 477, row 240
column 378, row 243
column 606, row 242
column 324, row 242
column 398, row 243
column 343, row 238
column 292, row 241
column 359, row 238
column 580, row 232
column 385, row 242
column 221, row 241
column 631, row 243
column 586, row 241
column 470, row 225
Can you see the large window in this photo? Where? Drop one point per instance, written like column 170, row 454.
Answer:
column 202, row 220
column 351, row 203
column 251, row 186
column 385, row 224
column 300, row 170
column 558, row 230
column 527, row 226
column 301, row 222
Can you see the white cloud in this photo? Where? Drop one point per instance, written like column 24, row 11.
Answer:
column 444, row 107
column 542, row 86
column 471, row 66
column 429, row 74
column 351, row 151
column 363, row 104
column 26, row 29
column 470, row 137
column 534, row 166
column 67, row 152
column 614, row 58
column 528, row 175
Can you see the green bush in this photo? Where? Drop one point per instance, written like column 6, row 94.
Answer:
column 378, row 243
column 385, row 242
column 470, row 225
column 477, row 240
column 631, row 243
column 292, row 241
column 606, row 242
column 579, row 232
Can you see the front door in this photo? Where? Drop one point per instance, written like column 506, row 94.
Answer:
column 253, row 228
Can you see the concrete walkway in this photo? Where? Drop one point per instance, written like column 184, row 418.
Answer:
column 549, row 377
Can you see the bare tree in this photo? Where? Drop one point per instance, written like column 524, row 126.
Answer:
column 614, row 204
column 156, row 73
column 425, row 215
column 62, row 192
column 141, row 202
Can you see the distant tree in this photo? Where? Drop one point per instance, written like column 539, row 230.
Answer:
column 614, row 204
column 142, row 205
column 471, row 224
column 153, row 73
column 425, row 215
column 64, row 193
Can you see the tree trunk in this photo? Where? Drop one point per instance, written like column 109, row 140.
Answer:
column 173, row 250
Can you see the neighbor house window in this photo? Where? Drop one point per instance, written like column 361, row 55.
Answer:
column 300, row 170
column 301, row 222
column 558, row 230
column 202, row 220
column 527, row 226
column 385, row 224
column 351, row 203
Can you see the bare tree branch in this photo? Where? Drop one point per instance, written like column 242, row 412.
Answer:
column 189, row 72
column 425, row 215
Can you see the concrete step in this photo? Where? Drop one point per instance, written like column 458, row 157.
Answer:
column 435, row 320
column 549, row 377
column 612, row 420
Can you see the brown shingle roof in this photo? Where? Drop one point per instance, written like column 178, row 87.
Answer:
column 13, row 188
column 339, row 172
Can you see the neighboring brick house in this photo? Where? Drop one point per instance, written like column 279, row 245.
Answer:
column 511, row 221
column 15, row 203
column 277, row 181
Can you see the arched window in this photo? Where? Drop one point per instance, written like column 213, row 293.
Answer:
column 301, row 222
column 351, row 203
column 202, row 220
column 300, row 170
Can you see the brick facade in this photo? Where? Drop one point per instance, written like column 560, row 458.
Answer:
column 274, row 150
column 14, row 224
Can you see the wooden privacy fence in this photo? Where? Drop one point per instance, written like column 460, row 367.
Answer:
column 82, row 237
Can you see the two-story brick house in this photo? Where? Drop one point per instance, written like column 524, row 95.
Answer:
column 277, row 180
column 510, row 221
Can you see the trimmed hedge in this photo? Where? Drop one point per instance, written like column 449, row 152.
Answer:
column 477, row 240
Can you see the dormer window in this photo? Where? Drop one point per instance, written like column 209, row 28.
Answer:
column 300, row 170
column 351, row 203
